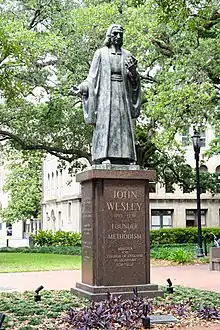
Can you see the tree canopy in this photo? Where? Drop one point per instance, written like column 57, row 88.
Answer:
column 23, row 184
column 46, row 47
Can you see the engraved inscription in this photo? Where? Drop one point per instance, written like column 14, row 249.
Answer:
column 124, row 236
column 125, row 257
column 86, row 227
column 124, row 228
column 125, row 194
column 87, row 233
column 86, row 208
column 123, row 206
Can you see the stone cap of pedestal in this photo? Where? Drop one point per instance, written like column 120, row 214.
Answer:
column 91, row 174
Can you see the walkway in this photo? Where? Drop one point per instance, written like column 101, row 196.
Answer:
column 194, row 276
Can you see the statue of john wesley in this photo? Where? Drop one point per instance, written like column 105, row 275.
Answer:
column 111, row 100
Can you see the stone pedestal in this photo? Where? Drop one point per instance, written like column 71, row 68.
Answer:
column 115, row 233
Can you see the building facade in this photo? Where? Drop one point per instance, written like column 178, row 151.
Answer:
column 62, row 197
column 16, row 234
column 178, row 209
column 61, row 202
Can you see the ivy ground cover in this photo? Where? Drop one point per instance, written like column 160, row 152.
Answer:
column 60, row 310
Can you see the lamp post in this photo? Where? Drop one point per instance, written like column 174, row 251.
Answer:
column 197, row 145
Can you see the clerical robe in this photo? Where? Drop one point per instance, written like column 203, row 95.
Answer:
column 113, row 101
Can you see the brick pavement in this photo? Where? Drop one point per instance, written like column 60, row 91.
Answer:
column 209, row 326
column 194, row 276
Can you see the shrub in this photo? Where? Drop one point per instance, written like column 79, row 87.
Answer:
column 67, row 250
column 157, row 237
column 181, row 235
column 59, row 238
column 43, row 238
column 160, row 253
column 180, row 256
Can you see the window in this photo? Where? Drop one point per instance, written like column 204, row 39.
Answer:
column 24, row 227
column 161, row 219
column 60, row 223
column 217, row 171
column 169, row 188
column 53, row 218
column 60, row 179
column 186, row 141
column 32, row 225
column 69, row 212
column 56, row 183
column 152, row 187
column 191, row 218
column 52, row 182
column 202, row 138
column 9, row 229
column 48, row 183
column 40, row 225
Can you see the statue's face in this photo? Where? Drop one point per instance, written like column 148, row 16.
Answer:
column 117, row 37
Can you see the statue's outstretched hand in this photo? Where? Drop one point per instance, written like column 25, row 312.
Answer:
column 74, row 90
column 82, row 89
column 131, row 65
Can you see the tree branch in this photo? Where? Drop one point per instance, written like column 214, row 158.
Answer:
column 56, row 151
column 43, row 64
column 148, row 77
column 33, row 22
column 163, row 47
column 213, row 20
column 4, row 138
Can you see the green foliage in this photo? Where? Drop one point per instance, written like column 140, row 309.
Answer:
column 197, row 297
column 46, row 48
column 159, row 237
column 180, row 256
column 62, row 238
column 181, row 235
column 24, row 185
column 161, row 253
column 23, row 313
column 180, row 253
column 66, row 250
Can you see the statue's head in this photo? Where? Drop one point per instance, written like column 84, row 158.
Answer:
column 114, row 35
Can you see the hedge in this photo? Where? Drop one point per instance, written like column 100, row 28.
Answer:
column 67, row 250
column 181, row 235
column 58, row 238
column 161, row 236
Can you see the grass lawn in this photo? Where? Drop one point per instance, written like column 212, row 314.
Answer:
column 30, row 262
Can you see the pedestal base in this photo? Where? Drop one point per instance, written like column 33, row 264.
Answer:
column 98, row 293
column 115, row 232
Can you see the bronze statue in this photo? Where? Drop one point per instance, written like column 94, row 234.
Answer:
column 111, row 100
